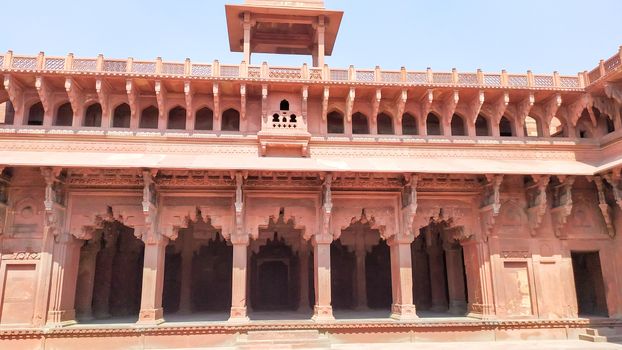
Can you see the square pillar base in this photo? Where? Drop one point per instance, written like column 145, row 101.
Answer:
column 323, row 313
column 62, row 318
column 404, row 312
column 151, row 317
column 238, row 315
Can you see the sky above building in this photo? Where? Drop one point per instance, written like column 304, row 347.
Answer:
column 542, row 35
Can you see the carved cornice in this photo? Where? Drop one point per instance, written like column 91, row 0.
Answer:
column 94, row 177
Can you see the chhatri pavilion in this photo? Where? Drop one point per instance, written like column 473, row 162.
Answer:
column 157, row 205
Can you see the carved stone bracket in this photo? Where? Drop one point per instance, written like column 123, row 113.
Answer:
column 264, row 102
column 604, row 207
column 161, row 98
column 496, row 108
column 103, row 93
column 400, row 103
column 54, row 202
column 350, row 104
column 45, row 93
column 150, row 234
column 132, row 96
column 76, row 97
column 305, row 100
column 327, row 204
column 536, row 201
column 216, row 95
column 491, row 201
column 426, row 103
column 189, row 97
column 15, row 91
column 239, row 204
column 409, row 205
column 325, row 98
column 614, row 91
column 375, row 103
column 243, row 101
column 613, row 178
column 562, row 205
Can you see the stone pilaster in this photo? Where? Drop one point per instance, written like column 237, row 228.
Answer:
column 402, row 307
column 322, row 310
column 151, row 312
column 238, row 278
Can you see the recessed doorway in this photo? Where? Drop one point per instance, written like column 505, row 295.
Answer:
column 589, row 284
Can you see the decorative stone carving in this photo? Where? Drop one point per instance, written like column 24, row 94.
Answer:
column 604, row 207
column 562, row 205
column 496, row 107
column 243, row 101
column 375, row 103
column 189, row 97
column 327, row 204
column 132, row 96
column 103, row 93
column 400, row 103
column 21, row 256
column 350, row 104
column 45, row 93
column 536, row 201
column 54, row 202
column 425, row 103
column 491, row 201
column 409, row 205
column 613, row 178
column 76, row 97
column 325, row 97
column 16, row 93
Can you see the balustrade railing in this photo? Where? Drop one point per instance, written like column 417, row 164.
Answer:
column 375, row 76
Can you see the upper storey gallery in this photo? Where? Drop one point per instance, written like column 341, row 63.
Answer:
column 131, row 98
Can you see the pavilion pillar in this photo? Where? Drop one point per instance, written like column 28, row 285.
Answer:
column 151, row 311
column 247, row 37
column 319, row 49
column 238, row 278
column 455, row 280
column 479, row 280
column 360, row 280
column 303, row 305
column 401, row 278
column 65, row 263
column 437, row 277
column 86, row 280
column 185, row 292
column 322, row 310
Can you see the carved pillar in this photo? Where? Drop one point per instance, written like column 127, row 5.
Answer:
column 322, row 310
column 479, row 279
column 66, row 257
column 238, row 280
column 303, row 305
column 455, row 280
column 86, row 278
column 49, row 269
column 360, row 274
column 401, row 278
column 151, row 311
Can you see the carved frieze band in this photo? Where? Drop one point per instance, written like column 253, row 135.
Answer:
column 21, row 256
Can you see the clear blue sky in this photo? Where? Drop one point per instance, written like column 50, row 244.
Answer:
column 541, row 35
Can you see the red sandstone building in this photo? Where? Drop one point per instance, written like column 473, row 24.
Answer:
column 151, row 204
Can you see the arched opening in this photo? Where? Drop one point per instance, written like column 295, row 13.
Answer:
column 149, row 118
column 557, row 128
column 584, row 125
column 360, row 269
column 280, row 267
column 433, row 124
column 204, row 119
column 439, row 273
column 121, row 116
column 334, row 123
column 7, row 113
column 505, row 127
column 360, row 124
column 198, row 267
column 482, row 127
column 457, row 126
column 64, row 115
column 231, row 120
column 176, row 118
column 531, row 127
column 110, row 273
column 93, row 115
column 284, row 105
column 35, row 114
column 385, row 124
column 409, row 124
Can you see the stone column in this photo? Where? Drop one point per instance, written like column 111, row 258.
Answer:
column 322, row 310
column 479, row 279
column 437, row 278
column 360, row 278
column 238, row 278
column 303, row 305
column 455, row 280
column 401, row 279
column 86, row 278
column 65, row 263
column 185, row 293
column 151, row 312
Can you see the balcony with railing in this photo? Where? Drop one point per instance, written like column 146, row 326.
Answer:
column 41, row 63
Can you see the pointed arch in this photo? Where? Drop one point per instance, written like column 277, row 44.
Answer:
column 360, row 124
column 506, row 127
column 204, row 119
column 7, row 113
column 458, row 127
column 36, row 114
column 409, row 124
column 93, row 115
column 334, row 123
column 230, row 120
column 64, row 115
column 121, row 116
column 482, row 126
column 433, row 124
column 532, row 127
column 385, row 124
column 557, row 128
column 176, row 118
column 149, row 118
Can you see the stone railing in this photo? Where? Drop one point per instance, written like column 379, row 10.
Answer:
column 100, row 65
column 604, row 68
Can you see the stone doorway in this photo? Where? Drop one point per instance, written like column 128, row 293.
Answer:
column 589, row 284
column 279, row 269
column 197, row 270
column 110, row 274
column 439, row 277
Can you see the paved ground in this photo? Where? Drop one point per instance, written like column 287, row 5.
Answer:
column 502, row 345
